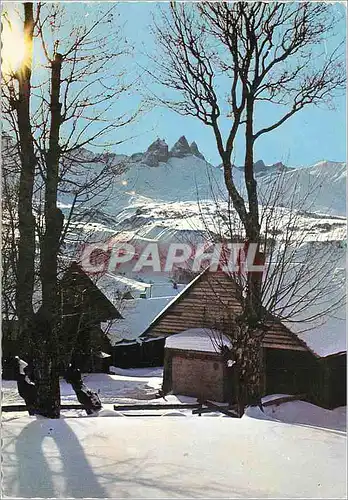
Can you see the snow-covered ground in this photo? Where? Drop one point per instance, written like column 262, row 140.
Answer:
column 294, row 450
column 125, row 385
column 171, row 458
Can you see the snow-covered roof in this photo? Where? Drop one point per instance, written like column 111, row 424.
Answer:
column 171, row 302
column 114, row 285
column 326, row 336
column 137, row 314
column 197, row 339
column 322, row 324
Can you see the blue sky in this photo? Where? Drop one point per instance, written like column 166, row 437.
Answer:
column 312, row 135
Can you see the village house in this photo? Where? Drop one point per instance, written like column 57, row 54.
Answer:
column 195, row 366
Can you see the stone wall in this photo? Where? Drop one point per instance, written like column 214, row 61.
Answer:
column 197, row 374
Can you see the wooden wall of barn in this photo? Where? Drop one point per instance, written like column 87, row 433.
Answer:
column 291, row 372
column 136, row 355
column 332, row 381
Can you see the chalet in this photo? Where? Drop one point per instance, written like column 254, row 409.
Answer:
column 83, row 308
column 139, row 310
column 193, row 367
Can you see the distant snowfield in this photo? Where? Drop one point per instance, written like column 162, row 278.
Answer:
column 184, row 194
column 187, row 221
column 191, row 179
column 295, row 450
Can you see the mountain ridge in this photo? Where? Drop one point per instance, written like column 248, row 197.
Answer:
column 181, row 173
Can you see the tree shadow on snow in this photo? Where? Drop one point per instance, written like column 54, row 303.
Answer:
column 38, row 476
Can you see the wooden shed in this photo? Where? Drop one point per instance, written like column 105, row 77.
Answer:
column 84, row 308
column 290, row 365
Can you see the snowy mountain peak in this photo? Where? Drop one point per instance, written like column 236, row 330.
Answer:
column 261, row 169
column 329, row 171
column 158, row 144
column 158, row 152
column 329, row 165
column 181, row 148
column 280, row 165
column 195, row 151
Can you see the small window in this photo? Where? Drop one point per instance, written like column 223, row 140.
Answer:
column 216, row 366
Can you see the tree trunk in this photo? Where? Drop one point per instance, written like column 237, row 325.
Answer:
column 53, row 215
column 249, row 364
column 252, row 226
column 26, row 221
column 48, row 359
column 249, row 372
column 46, row 369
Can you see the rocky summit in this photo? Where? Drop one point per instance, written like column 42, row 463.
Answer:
column 195, row 151
column 158, row 152
column 181, row 148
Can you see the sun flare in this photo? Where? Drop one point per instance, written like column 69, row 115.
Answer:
column 12, row 48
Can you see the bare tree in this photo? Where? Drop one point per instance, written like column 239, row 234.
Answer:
column 70, row 105
column 262, row 53
column 299, row 285
column 20, row 107
column 9, row 240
